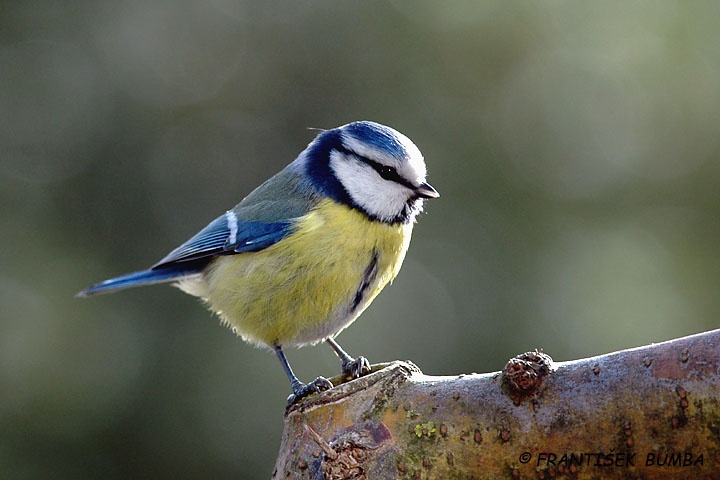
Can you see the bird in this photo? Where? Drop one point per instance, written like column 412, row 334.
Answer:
column 306, row 252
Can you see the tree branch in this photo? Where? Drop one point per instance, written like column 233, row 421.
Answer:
column 651, row 412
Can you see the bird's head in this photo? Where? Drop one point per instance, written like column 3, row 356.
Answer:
column 370, row 167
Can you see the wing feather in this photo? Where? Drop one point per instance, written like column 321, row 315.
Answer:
column 215, row 239
column 262, row 219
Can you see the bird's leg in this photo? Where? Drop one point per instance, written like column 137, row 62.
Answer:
column 355, row 367
column 300, row 389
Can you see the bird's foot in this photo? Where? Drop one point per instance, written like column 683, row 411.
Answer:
column 356, row 367
column 302, row 390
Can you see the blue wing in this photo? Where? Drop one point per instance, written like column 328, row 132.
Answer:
column 262, row 219
column 226, row 235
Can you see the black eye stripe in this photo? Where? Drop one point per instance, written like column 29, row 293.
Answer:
column 388, row 173
column 385, row 171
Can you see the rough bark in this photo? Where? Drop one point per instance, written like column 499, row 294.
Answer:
column 651, row 412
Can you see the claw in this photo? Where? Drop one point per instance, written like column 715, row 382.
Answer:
column 356, row 367
column 353, row 367
column 302, row 390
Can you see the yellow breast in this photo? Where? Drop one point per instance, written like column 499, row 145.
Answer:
column 310, row 285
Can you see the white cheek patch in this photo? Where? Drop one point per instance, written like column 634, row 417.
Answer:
column 381, row 198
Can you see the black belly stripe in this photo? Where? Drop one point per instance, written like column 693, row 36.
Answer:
column 368, row 278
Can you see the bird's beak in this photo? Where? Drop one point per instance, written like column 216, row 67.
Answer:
column 425, row 190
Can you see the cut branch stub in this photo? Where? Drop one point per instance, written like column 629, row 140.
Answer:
column 523, row 375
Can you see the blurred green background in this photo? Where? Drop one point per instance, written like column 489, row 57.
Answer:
column 575, row 145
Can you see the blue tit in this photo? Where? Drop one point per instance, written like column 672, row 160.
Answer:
column 304, row 254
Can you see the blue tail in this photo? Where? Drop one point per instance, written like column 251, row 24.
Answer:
column 137, row 279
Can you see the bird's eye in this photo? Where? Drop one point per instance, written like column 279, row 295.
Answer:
column 388, row 173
